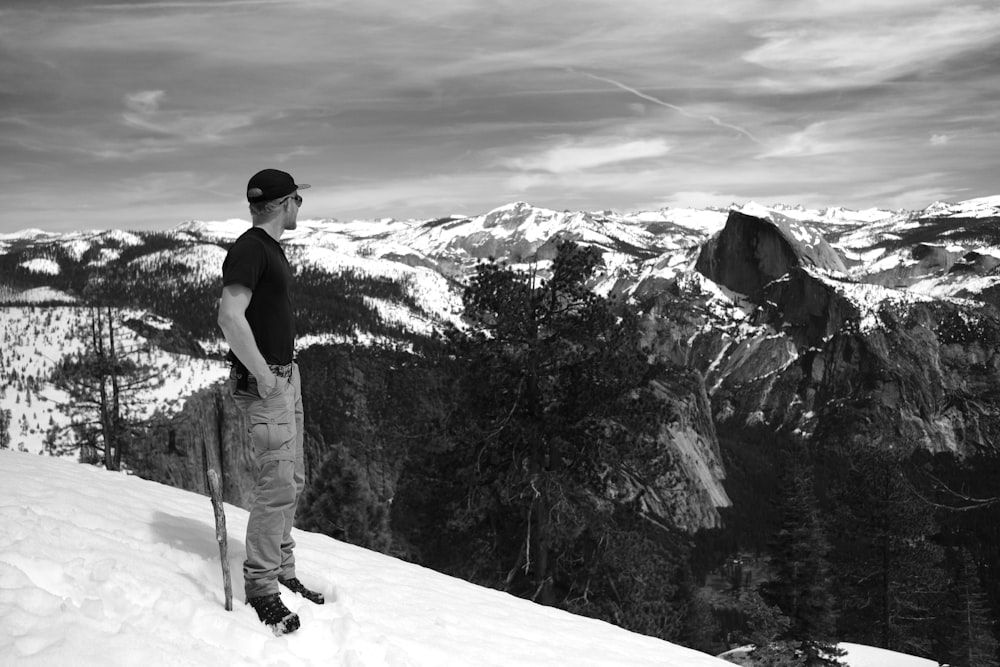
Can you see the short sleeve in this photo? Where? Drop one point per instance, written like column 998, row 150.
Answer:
column 244, row 264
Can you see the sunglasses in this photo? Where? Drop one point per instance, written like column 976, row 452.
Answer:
column 296, row 197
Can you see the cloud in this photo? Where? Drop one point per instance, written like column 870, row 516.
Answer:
column 430, row 106
column 144, row 102
column 681, row 110
column 574, row 155
column 863, row 46
column 183, row 126
column 816, row 139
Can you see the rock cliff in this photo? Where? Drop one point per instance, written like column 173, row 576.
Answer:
column 828, row 358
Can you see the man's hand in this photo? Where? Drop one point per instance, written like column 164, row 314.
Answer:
column 266, row 384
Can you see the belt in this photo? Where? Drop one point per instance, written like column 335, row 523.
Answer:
column 281, row 371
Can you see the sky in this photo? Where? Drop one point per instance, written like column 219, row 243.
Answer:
column 105, row 569
column 145, row 114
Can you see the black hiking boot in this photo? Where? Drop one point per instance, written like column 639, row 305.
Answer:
column 296, row 586
column 274, row 614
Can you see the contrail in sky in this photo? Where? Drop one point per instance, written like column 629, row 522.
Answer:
column 655, row 100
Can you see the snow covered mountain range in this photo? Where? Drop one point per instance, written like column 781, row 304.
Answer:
column 945, row 251
column 636, row 244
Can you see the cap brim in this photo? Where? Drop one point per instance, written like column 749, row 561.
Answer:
column 302, row 186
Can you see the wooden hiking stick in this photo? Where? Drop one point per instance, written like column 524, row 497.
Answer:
column 220, row 533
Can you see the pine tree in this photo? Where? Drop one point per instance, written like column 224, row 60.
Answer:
column 558, row 415
column 967, row 633
column 885, row 561
column 801, row 585
column 339, row 503
column 634, row 575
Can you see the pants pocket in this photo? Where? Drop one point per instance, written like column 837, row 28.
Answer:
column 272, row 440
column 250, row 389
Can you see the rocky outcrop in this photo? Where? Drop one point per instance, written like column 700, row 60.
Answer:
column 209, row 432
column 822, row 358
column 692, row 493
column 752, row 250
column 829, row 360
column 806, row 307
column 925, row 376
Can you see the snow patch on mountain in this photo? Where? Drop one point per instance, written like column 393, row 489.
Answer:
column 122, row 237
column 76, row 247
column 41, row 265
column 203, row 262
column 106, row 256
column 29, row 234
column 222, row 230
column 431, row 291
column 951, row 285
column 871, row 299
column 980, row 207
column 834, row 215
column 10, row 296
column 702, row 221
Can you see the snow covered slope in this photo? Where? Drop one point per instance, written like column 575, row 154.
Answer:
column 99, row 568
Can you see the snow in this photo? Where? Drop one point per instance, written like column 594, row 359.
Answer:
column 106, row 256
column 755, row 210
column 42, row 265
column 869, row 656
column 704, row 221
column 24, row 234
column 834, row 216
column 35, row 295
column 396, row 313
column 76, row 248
column 428, row 288
column 980, row 207
column 948, row 285
column 36, row 338
column 202, row 262
column 123, row 237
column 805, row 235
column 220, row 230
column 100, row 568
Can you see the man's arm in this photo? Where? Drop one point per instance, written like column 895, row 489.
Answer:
column 233, row 322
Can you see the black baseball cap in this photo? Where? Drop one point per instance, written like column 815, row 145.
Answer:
column 270, row 184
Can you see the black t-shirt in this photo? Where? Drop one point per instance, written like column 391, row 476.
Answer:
column 257, row 261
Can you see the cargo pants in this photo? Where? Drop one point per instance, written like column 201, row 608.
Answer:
column 275, row 427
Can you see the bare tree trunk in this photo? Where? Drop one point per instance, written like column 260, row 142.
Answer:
column 222, row 450
column 540, row 528
column 106, row 417
column 221, row 535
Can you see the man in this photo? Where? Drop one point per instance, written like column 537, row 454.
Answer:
column 255, row 315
